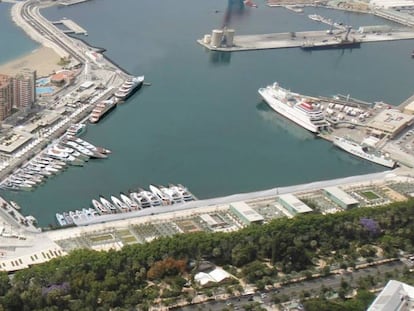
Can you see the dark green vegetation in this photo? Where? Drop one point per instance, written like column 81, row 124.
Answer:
column 141, row 274
column 63, row 61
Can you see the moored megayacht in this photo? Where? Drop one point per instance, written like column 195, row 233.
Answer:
column 129, row 87
column 364, row 152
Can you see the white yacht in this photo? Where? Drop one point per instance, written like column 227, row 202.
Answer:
column 61, row 220
column 165, row 199
column 130, row 203
column 119, row 204
column 108, row 205
column 187, row 196
column 173, row 193
column 79, row 148
column 56, row 153
column 99, row 207
column 99, row 151
column 140, row 199
column 152, row 198
column 129, row 87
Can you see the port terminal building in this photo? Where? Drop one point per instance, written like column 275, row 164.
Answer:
column 293, row 204
column 245, row 213
column 389, row 122
column 340, row 197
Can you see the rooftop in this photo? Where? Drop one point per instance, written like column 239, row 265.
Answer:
column 390, row 121
column 395, row 296
column 247, row 212
column 295, row 203
column 341, row 195
column 13, row 141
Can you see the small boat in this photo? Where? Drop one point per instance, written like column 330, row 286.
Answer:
column 15, row 205
column 76, row 129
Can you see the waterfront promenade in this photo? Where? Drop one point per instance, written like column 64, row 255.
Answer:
column 28, row 247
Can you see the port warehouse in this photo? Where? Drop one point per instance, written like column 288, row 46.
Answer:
column 293, row 204
column 29, row 249
column 245, row 213
column 340, row 197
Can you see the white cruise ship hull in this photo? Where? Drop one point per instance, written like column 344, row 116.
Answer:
column 287, row 111
column 357, row 150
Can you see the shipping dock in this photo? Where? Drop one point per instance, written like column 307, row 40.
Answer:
column 225, row 40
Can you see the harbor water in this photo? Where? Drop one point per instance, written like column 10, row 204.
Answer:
column 201, row 123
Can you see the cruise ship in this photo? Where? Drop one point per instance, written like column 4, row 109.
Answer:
column 129, row 87
column 364, row 152
column 294, row 107
column 101, row 109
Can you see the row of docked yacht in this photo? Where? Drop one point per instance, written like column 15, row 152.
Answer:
column 69, row 150
column 73, row 217
column 33, row 173
column 136, row 200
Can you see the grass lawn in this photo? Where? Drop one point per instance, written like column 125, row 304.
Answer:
column 370, row 195
column 101, row 238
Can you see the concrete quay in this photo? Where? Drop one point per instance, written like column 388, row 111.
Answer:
column 299, row 39
column 72, row 26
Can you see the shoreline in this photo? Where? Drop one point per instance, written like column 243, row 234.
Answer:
column 43, row 59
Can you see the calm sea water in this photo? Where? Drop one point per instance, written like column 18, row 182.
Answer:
column 201, row 122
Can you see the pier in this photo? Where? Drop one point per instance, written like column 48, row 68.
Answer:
column 319, row 39
column 72, row 27
column 71, row 2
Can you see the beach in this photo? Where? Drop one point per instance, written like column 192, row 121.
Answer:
column 44, row 60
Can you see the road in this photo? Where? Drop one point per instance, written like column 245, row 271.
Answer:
column 293, row 290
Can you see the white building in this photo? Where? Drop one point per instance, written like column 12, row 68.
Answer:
column 396, row 296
